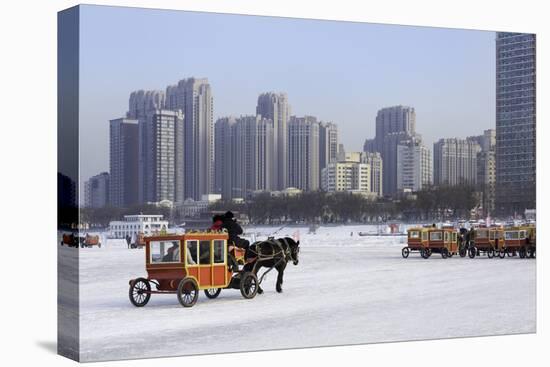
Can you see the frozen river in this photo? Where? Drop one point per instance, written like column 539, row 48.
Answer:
column 347, row 289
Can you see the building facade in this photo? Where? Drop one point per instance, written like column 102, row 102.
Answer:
column 275, row 107
column 123, row 162
column 132, row 225
column 194, row 97
column 347, row 176
column 393, row 126
column 96, row 191
column 515, row 123
column 244, row 151
column 303, row 153
column 142, row 101
column 455, row 162
column 161, row 173
column 414, row 166
column 374, row 160
column 328, row 144
column 486, row 169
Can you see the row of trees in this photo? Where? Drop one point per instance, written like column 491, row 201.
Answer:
column 432, row 203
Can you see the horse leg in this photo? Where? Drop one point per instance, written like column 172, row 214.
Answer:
column 280, row 269
column 255, row 270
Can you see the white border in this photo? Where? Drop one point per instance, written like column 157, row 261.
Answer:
column 28, row 154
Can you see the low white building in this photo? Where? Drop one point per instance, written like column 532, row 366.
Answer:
column 194, row 208
column 134, row 224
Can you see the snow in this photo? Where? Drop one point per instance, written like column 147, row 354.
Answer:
column 346, row 289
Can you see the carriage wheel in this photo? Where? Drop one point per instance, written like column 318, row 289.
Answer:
column 188, row 292
column 462, row 252
column 522, row 252
column 424, row 253
column 531, row 252
column 502, row 254
column 99, row 245
column 444, row 253
column 212, row 292
column 249, row 285
column 472, row 252
column 428, row 252
column 405, row 252
column 139, row 292
column 490, row 253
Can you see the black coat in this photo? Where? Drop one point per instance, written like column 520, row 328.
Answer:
column 233, row 228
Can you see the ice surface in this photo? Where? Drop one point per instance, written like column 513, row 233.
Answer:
column 347, row 289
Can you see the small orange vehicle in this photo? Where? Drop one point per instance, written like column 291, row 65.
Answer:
column 488, row 240
column 90, row 241
column 185, row 264
column 431, row 240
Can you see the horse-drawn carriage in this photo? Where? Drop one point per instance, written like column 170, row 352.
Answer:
column 197, row 260
column 488, row 240
column 431, row 240
column 521, row 240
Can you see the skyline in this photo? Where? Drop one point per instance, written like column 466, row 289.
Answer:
column 447, row 75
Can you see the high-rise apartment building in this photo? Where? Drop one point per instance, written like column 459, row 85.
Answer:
column 244, row 147
column 123, row 162
column 141, row 102
column 328, row 144
column 274, row 106
column 393, row 126
column 455, row 161
column 161, row 171
column 414, row 166
column 349, row 174
column 374, row 160
column 194, row 97
column 486, row 169
column 515, row 123
column 96, row 191
column 303, row 153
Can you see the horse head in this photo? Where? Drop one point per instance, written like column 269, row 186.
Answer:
column 294, row 250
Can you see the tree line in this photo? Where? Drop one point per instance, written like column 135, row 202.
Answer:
column 431, row 203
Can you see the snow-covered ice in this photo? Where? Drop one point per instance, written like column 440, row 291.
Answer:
column 347, row 289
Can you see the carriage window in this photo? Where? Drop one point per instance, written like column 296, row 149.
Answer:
column 454, row 236
column 481, row 234
column 165, row 251
column 192, row 252
column 522, row 234
column 204, row 252
column 414, row 234
column 436, row 236
column 219, row 251
column 446, row 236
column 511, row 235
column 424, row 236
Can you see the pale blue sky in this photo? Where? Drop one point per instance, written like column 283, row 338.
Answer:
column 338, row 71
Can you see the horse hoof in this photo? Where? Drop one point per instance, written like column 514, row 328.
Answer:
column 260, row 291
column 279, row 290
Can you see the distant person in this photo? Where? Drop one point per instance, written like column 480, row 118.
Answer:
column 133, row 240
column 128, row 240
